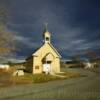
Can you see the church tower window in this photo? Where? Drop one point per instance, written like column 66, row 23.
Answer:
column 46, row 35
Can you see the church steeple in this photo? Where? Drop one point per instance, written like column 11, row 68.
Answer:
column 46, row 27
column 46, row 34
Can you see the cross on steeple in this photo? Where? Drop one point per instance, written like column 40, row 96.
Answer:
column 46, row 27
column 46, row 34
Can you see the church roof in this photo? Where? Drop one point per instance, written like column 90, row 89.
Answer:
column 36, row 50
column 51, row 47
column 54, row 49
column 30, row 55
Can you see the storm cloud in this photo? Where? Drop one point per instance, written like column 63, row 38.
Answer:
column 74, row 24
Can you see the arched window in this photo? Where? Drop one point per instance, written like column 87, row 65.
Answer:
column 47, row 38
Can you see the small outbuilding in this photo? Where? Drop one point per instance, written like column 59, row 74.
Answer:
column 18, row 72
column 17, row 69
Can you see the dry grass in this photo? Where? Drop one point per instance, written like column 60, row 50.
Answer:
column 6, row 78
column 29, row 78
column 40, row 78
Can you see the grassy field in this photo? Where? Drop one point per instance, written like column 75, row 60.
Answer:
column 41, row 78
column 80, row 88
column 29, row 78
column 6, row 78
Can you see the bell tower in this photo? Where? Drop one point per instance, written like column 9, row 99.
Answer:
column 46, row 35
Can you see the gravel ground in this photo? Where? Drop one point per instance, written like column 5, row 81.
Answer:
column 82, row 88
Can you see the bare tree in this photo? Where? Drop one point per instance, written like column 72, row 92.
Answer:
column 7, row 42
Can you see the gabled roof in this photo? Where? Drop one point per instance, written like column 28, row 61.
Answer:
column 54, row 49
column 35, row 50
column 51, row 47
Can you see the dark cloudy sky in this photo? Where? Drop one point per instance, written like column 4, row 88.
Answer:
column 74, row 24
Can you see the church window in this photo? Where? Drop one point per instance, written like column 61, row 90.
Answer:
column 47, row 39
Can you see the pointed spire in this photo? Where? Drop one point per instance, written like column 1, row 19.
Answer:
column 46, row 34
column 46, row 27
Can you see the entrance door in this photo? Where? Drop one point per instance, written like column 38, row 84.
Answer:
column 46, row 68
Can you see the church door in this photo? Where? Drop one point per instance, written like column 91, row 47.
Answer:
column 47, row 67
